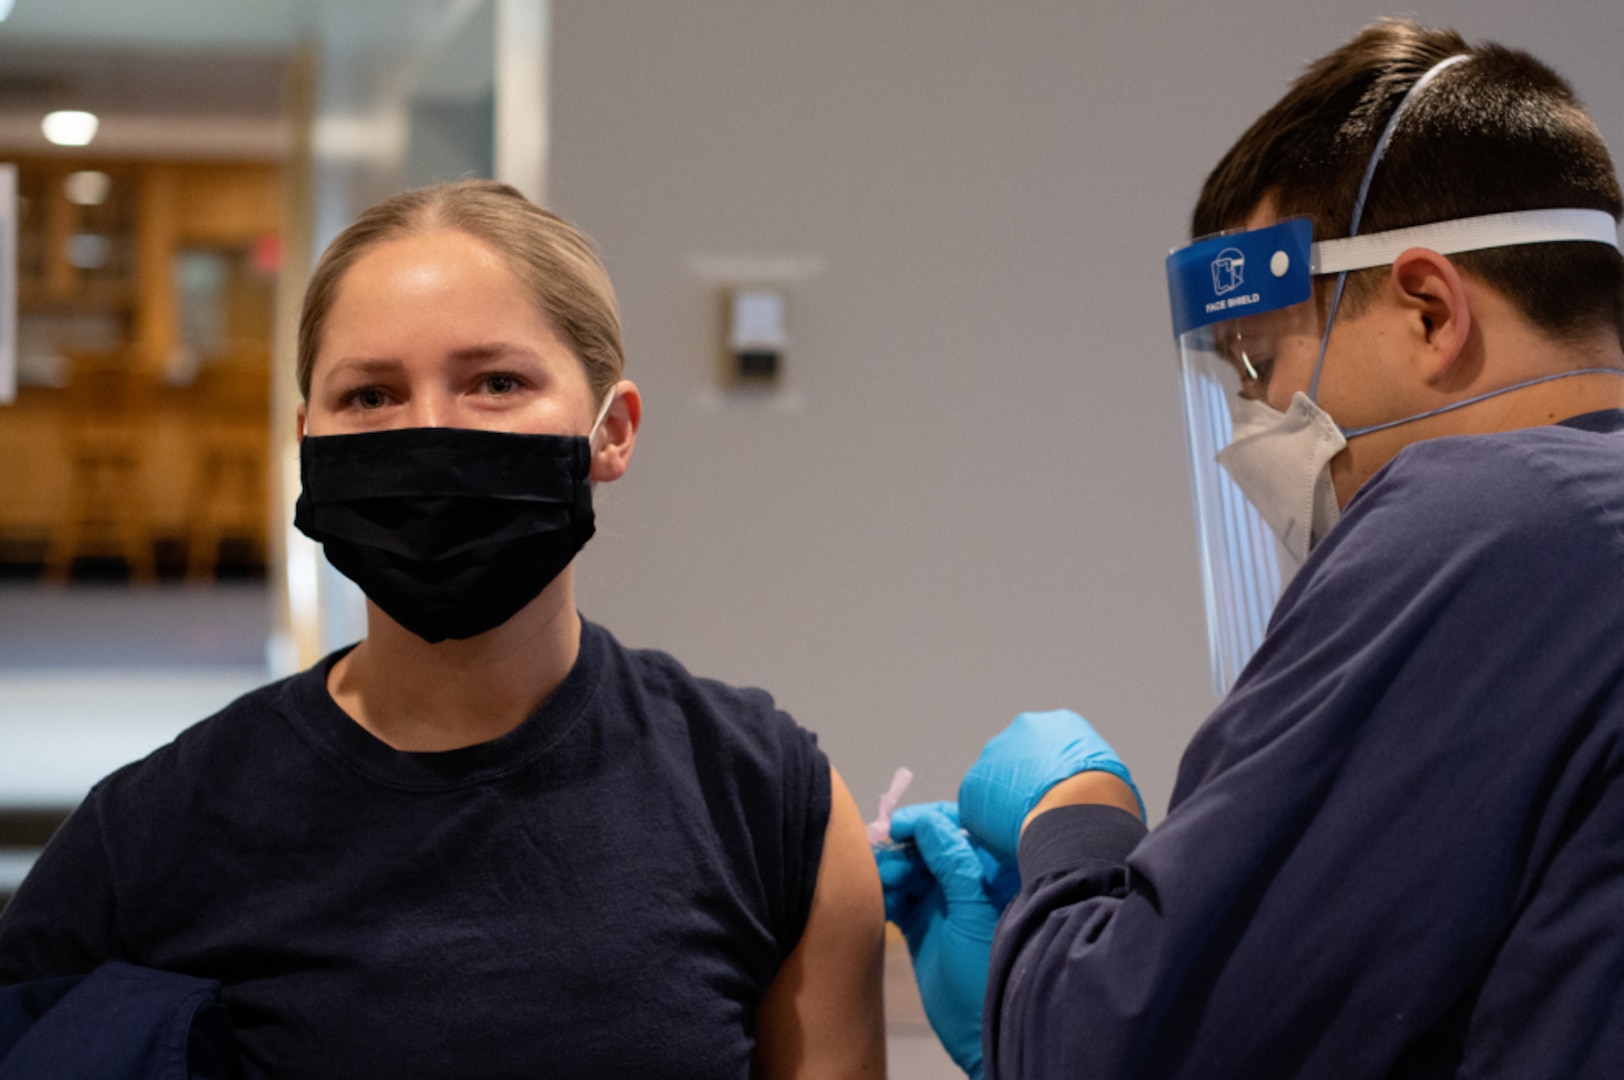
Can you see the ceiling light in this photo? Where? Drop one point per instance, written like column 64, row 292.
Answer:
column 69, row 127
column 5, row 10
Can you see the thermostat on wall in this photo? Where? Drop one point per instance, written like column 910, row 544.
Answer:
column 756, row 338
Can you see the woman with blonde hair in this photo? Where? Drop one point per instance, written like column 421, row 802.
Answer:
column 487, row 840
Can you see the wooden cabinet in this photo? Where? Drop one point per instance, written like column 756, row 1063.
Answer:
column 117, row 257
column 54, row 233
column 164, row 285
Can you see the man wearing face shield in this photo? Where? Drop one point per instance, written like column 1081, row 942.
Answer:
column 1397, row 847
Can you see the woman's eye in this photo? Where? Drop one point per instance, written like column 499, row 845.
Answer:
column 366, row 398
column 501, row 383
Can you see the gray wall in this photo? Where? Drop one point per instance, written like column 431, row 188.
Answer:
column 972, row 496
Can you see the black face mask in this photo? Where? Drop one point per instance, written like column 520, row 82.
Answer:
column 449, row 530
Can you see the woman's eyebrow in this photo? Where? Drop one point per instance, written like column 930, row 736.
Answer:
column 364, row 365
column 491, row 351
column 382, row 365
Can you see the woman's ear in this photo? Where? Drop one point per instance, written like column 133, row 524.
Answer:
column 617, row 433
column 1437, row 317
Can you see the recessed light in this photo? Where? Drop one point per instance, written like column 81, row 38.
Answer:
column 70, row 127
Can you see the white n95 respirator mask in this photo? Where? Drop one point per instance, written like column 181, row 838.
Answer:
column 1281, row 461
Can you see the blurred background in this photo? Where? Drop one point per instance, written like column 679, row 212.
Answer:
column 940, row 477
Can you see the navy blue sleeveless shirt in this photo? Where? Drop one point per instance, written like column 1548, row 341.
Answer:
column 608, row 890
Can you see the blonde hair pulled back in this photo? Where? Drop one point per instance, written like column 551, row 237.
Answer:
column 556, row 264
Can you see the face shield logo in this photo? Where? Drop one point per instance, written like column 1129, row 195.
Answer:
column 1228, row 270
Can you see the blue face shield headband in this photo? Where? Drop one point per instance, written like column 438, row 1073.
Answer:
column 1233, row 297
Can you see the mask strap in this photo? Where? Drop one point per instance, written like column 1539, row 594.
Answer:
column 1325, row 338
column 1354, row 433
column 1359, row 204
column 608, row 400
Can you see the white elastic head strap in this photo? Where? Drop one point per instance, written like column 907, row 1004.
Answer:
column 1464, row 234
column 1452, row 238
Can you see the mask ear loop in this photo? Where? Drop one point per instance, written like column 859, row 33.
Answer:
column 608, row 400
column 1359, row 205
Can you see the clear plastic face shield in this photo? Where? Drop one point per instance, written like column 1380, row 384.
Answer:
column 1243, row 302
column 1259, row 465
column 1238, row 298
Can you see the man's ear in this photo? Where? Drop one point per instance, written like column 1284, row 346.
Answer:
column 1437, row 318
column 617, row 433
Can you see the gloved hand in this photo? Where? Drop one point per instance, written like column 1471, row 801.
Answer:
column 946, row 895
column 1026, row 759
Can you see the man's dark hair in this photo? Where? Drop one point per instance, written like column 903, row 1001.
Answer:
column 1497, row 133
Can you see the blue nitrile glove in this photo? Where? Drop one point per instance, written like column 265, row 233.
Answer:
column 904, row 878
column 1026, row 759
column 946, row 895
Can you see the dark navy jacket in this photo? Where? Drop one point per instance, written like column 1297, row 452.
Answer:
column 120, row 1022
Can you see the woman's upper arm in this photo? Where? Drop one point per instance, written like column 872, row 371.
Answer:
column 824, row 1014
column 61, row 920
